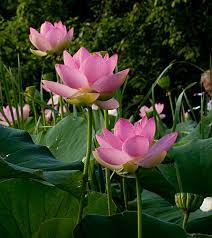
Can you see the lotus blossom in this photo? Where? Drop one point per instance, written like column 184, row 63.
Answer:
column 52, row 38
column 148, row 110
column 88, row 79
column 130, row 146
column 48, row 112
column 7, row 114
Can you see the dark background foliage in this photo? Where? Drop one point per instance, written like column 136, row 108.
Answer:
column 147, row 35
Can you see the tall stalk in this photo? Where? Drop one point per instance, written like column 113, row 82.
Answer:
column 86, row 165
column 139, row 205
column 107, row 173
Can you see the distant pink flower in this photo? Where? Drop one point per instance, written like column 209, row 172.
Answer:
column 7, row 113
column 88, row 79
column 51, row 37
column 158, row 107
column 48, row 112
column 130, row 146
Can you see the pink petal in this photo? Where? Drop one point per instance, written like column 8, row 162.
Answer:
column 136, row 146
column 94, row 67
column 151, row 161
column 70, row 34
column 112, row 61
column 111, row 139
column 143, row 111
column 102, row 142
column 26, row 110
column 164, row 144
column 4, row 123
column 148, row 130
column 124, row 129
column 112, row 156
column 7, row 113
column 106, row 56
column 108, row 105
column 81, row 55
column 58, row 88
column 110, row 83
column 139, row 125
column 72, row 77
column 159, row 107
column 48, row 114
column 45, row 27
column 56, row 99
column 68, row 60
column 105, row 164
column 55, row 37
column 60, row 26
column 39, row 41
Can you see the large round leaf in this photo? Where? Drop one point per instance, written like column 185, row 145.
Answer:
column 20, row 157
column 67, row 139
column 125, row 225
column 26, row 204
column 56, row 228
column 194, row 164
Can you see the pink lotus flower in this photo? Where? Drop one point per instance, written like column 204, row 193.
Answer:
column 131, row 146
column 48, row 112
column 158, row 107
column 8, row 115
column 52, row 38
column 88, row 79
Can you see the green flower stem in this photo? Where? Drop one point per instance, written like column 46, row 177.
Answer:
column 139, row 205
column 107, row 173
column 53, row 112
column 185, row 219
column 171, row 104
column 34, row 111
column 124, row 189
column 86, row 165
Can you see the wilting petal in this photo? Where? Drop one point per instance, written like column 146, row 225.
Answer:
column 45, row 27
column 112, row 156
column 81, row 55
column 108, row 105
column 143, row 111
column 124, row 129
column 70, row 34
column 112, row 61
column 136, row 146
column 110, row 83
column 38, row 52
column 94, row 67
column 55, row 37
column 105, row 164
column 151, row 161
column 111, row 139
column 40, row 42
column 72, row 77
column 83, row 98
column 68, row 60
column 164, row 144
column 58, row 88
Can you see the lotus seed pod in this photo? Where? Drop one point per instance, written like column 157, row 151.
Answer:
column 188, row 201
